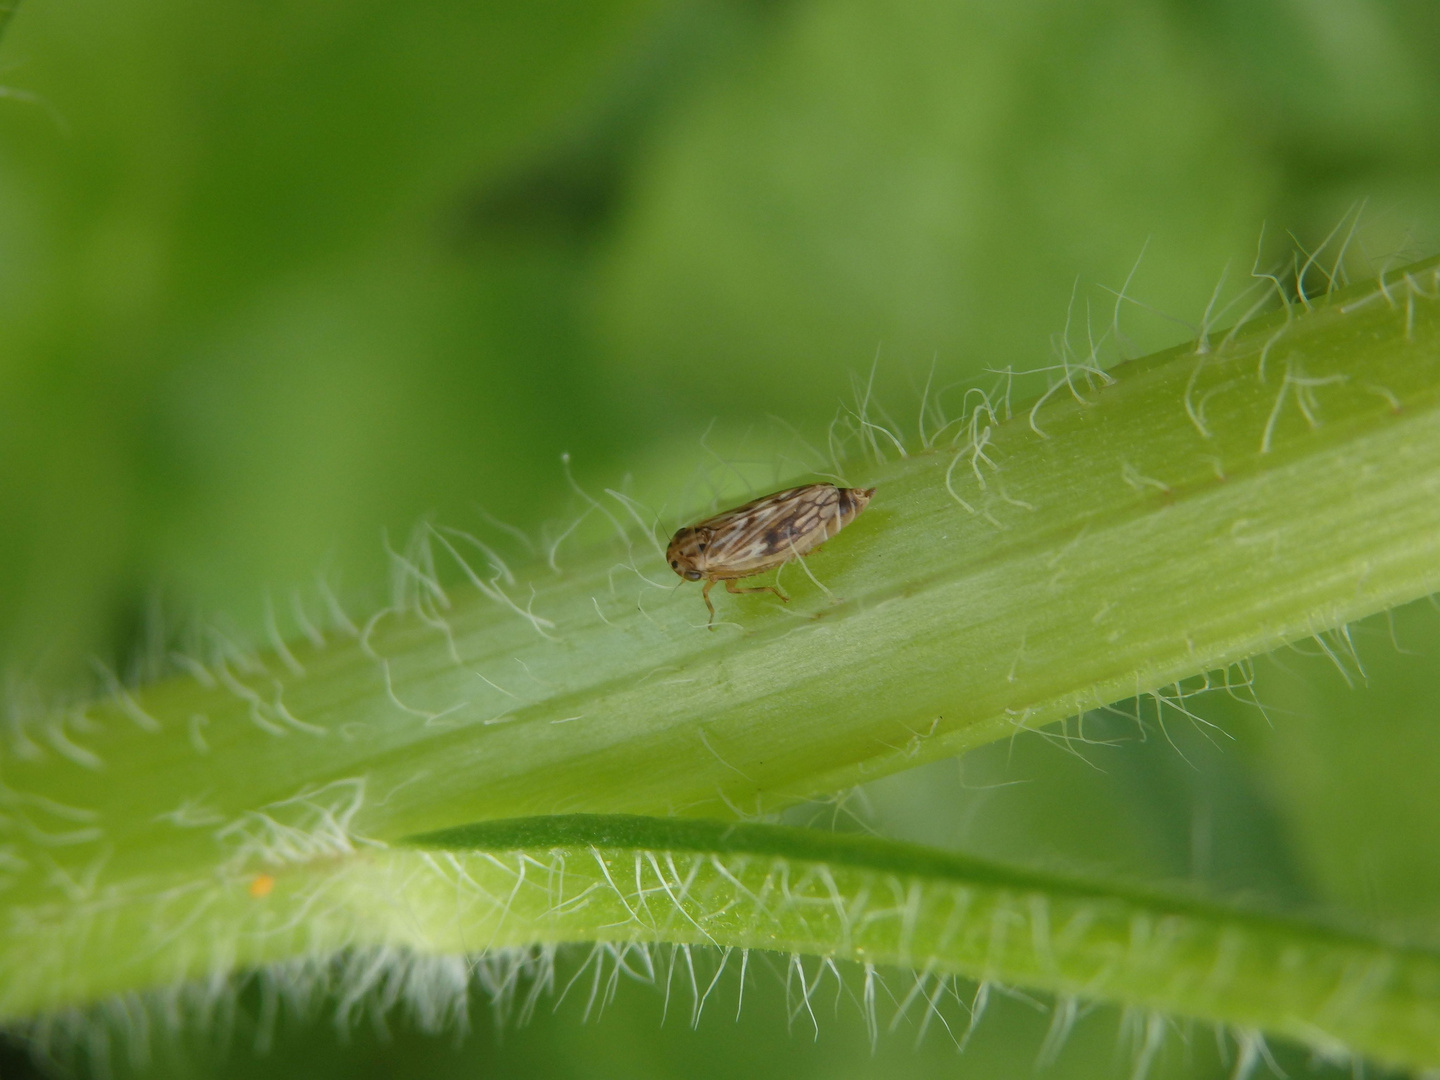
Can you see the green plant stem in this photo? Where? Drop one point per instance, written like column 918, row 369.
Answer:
column 1209, row 504
column 631, row 879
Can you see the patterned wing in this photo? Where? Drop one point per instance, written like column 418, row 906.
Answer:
column 769, row 530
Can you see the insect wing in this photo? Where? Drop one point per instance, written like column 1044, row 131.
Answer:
column 770, row 530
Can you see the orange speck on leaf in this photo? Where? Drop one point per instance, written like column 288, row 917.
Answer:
column 260, row 886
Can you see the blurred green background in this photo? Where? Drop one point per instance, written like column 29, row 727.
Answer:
column 276, row 277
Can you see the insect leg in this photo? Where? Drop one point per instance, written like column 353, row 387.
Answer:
column 705, row 595
column 730, row 586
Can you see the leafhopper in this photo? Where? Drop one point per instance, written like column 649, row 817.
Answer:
column 761, row 535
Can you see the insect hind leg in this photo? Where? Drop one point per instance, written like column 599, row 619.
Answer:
column 731, row 587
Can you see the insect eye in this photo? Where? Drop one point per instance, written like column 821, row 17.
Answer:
column 674, row 564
